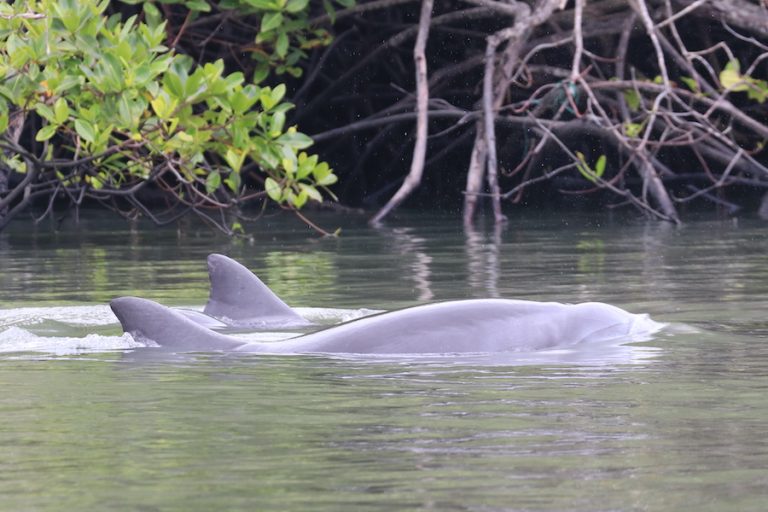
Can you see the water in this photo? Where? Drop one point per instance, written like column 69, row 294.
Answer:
column 674, row 423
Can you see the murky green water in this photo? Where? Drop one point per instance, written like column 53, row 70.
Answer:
column 678, row 425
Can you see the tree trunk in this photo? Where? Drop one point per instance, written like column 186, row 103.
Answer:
column 474, row 176
column 496, row 82
column 422, row 120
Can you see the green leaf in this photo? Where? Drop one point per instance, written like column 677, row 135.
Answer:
column 85, row 130
column 731, row 78
column 46, row 132
column 68, row 82
column 327, row 180
column 323, row 175
column 330, row 11
column 294, row 6
column 243, row 100
column 163, row 105
column 265, row 97
column 311, row 192
column 273, row 190
column 46, row 112
column 277, row 94
column 281, row 46
column 271, row 97
column 289, row 166
column 586, row 170
column 633, row 129
column 172, row 83
column 266, row 5
column 261, row 73
column 299, row 200
column 114, row 71
column 17, row 164
column 152, row 14
column 271, row 21
column 276, row 126
column 124, row 111
column 600, row 165
column 68, row 15
column 197, row 5
column 295, row 140
column 234, row 159
column 294, row 71
column 632, row 97
column 758, row 91
column 692, row 84
column 9, row 94
column 233, row 181
column 60, row 111
column 212, row 182
column 321, row 171
column 306, row 165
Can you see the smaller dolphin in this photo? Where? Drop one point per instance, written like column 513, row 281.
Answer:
column 238, row 298
column 465, row 326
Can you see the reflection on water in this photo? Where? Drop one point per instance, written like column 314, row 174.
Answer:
column 675, row 423
column 483, row 262
column 434, row 259
column 292, row 275
column 409, row 250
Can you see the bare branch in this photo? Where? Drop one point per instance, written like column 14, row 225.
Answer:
column 422, row 100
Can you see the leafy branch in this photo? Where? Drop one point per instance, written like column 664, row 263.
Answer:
column 109, row 108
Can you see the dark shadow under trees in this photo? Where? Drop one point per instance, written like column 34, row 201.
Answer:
column 656, row 104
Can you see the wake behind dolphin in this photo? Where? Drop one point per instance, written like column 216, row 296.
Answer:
column 456, row 327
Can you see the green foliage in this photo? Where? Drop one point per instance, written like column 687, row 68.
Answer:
column 285, row 32
column 691, row 83
column 732, row 80
column 633, row 130
column 107, row 92
column 632, row 97
column 587, row 171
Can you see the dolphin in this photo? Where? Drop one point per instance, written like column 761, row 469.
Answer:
column 238, row 298
column 455, row 327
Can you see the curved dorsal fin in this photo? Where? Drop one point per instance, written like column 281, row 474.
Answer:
column 239, row 297
column 147, row 320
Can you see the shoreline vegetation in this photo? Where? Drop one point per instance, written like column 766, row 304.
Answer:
column 220, row 108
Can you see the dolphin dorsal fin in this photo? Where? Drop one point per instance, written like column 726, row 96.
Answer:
column 149, row 321
column 238, row 296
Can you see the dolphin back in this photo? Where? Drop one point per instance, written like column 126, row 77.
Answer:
column 468, row 326
column 149, row 321
column 240, row 298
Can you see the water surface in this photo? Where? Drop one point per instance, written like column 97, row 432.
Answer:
column 674, row 423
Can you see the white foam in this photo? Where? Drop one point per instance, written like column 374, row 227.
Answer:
column 643, row 327
column 333, row 315
column 16, row 339
column 74, row 315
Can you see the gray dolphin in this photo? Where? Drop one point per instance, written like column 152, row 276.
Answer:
column 240, row 299
column 465, row 326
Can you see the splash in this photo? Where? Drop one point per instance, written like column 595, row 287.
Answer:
column 69, row 330
column 16, row 339
column 75, row 315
